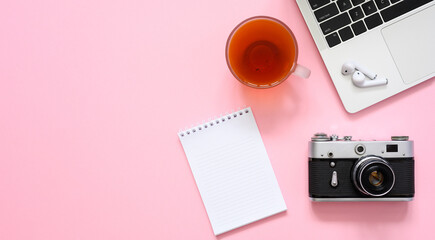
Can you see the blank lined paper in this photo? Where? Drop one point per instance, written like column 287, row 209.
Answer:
column 232, row 171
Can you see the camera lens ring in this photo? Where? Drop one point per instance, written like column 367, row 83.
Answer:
column 368, row 162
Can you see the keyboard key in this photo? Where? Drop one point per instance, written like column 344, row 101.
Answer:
column 402, row 8
column 335, row 23
column 332, row 39
column 394, row 1
column 344, row 5
column 373, row 21
column 356, row 13
column 356, row 2
column 358, row 28
column 369, row 8
column 345, row 34
column 382, row 4
column 315, row 4
column 326, row 12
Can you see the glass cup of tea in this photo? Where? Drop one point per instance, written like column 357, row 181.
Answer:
column 262, row 51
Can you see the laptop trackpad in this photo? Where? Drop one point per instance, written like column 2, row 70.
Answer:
column 412, row 44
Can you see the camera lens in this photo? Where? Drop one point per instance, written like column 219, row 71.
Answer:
column 376, row 178
column 373, row 176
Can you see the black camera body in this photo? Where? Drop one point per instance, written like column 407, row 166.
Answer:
column 344, row 170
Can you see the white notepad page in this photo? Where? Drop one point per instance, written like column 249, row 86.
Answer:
column 232, row 171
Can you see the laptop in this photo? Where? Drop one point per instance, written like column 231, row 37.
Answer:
column 395, row 39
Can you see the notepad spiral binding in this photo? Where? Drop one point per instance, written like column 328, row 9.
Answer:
column 216, row 121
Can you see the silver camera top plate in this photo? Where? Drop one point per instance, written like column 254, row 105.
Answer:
column 324, row 147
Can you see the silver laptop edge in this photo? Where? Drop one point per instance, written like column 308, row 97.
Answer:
column 370, row 50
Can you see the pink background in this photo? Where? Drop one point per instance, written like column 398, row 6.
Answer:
column 93, row 93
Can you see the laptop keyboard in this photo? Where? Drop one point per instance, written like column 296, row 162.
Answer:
column 341, row 20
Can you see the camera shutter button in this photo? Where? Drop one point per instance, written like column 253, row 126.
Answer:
column 334, row 180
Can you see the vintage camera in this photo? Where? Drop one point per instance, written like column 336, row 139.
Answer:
column 344, row 170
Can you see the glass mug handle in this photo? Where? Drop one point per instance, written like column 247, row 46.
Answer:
column 302, row 71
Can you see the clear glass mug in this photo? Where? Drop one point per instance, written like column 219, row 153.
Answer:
column 262, row 52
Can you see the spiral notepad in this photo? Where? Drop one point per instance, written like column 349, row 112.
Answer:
column 232, row 171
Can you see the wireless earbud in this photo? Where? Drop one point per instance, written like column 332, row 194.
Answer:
column 350, row 68
column 360, row 80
